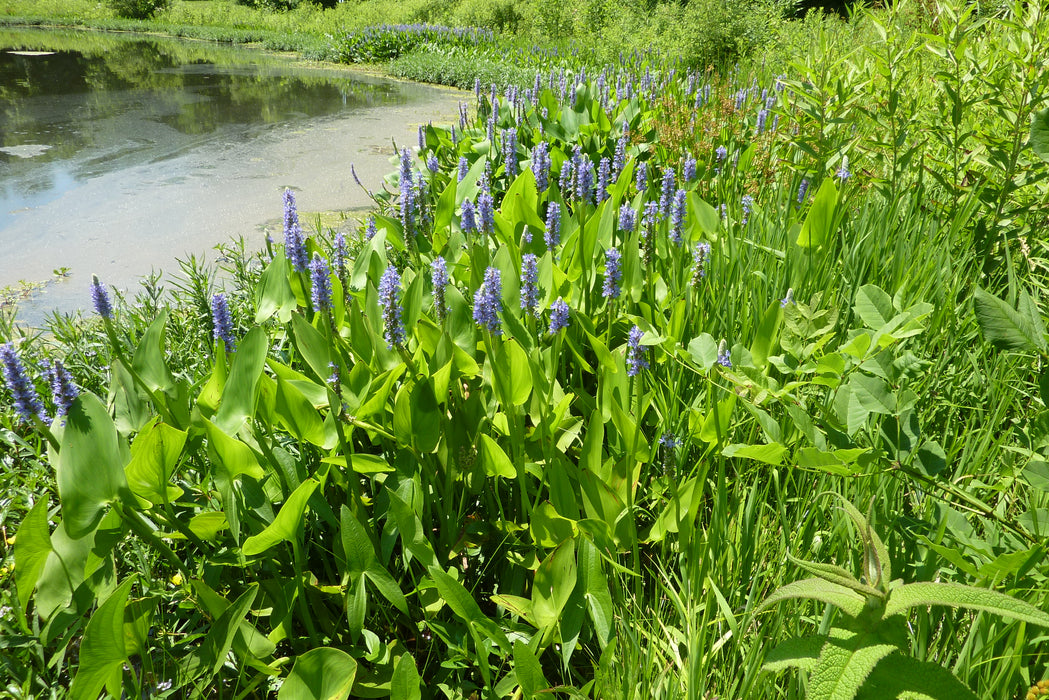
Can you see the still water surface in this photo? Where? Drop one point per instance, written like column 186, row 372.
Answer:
column 119, row 155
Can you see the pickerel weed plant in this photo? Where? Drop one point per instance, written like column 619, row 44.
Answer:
column 864, row 653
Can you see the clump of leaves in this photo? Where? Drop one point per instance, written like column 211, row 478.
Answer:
column 865, row 656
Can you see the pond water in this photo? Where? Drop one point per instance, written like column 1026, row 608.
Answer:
column 120, row 154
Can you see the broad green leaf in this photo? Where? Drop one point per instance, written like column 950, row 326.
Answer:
column 404, row 685
column 907, row 678
column 231, row 457
column 297, row 413
column 873, row 393
column 148, row 361
column 154, row 454
column 958, row 596
column 313, row 347
column 1003, row 326
column 529, row 671
column 819, row 222
column 362, row 463
column 598, row 597
column 682, row 507
column 801, row 653
column 410, row 530
column 361, row 560
column 520, row 374
column 715, row 426
column 248, row 641
column 1040, row 134
column 213, row 651
column 767, row 454
column 767, row 335
column 238, row 397
column 874, row 306
column 274, row 296
column 704, row 350
column 323, row 673
column 90, row 464
column 32, row 545
column 843, row 666
column 102, row 650
column 549, row 529
column 463, row 605
column 288, row 523
column 554, row 580
column 425, row 417
column 851, row 602
column 495, row 461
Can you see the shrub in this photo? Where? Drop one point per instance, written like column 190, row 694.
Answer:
column 137, row 9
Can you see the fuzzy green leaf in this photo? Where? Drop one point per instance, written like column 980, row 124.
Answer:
column 1003, row 326
column 907, row 678
column 1040, row 134
column 836, row 574
column 870, row 540
column 851, row 602
column 800, row 652
column 958, row 596
column 844, row 665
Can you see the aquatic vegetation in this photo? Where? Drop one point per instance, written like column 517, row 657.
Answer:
column 466, row 459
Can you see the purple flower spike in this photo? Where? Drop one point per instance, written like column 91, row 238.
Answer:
column 486, row 210
column 843, row 172
column 541, row 165
column 467, row 221
column 553, row 225
column 613, row 274
column 627, row 218
column 464, row 167
column 439, row 279
column 689, row 169
column 700, row 255
column 803, row 189
column 63, row 389
column 529, row 280
column 559, row 316
column 100, row 298
column 221, row 322
column 27, row 402
column 488, row 302
column 724, row 358
column 390, row 301
column 635, row 355
column 677, row 216
column 666, row 193
column 320, row 284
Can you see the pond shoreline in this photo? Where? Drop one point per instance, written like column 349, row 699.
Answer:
column 309, row 154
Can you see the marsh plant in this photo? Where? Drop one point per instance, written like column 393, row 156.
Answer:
column 556, row 418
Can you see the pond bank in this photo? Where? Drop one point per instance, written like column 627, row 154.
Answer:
column 178, row 177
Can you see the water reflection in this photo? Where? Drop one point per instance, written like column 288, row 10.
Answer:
column 121, row 154
column 97, row 103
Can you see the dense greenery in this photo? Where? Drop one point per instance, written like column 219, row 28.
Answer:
column 789, row 322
